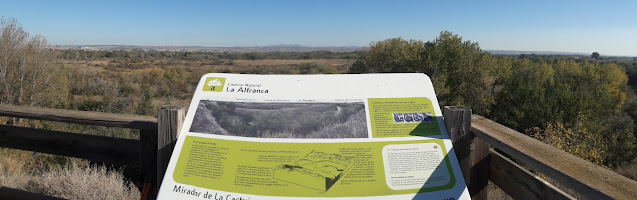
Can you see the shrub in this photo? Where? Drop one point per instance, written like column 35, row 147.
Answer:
column 91, row 182
column 575, row 140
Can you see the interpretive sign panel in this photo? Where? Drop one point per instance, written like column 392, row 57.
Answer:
column 255, row 137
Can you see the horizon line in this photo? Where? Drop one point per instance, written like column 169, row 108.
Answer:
column 354, row 47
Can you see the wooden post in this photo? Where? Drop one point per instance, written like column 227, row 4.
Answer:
column 147, row 153
column 479, row 170
column 469, row 151
column 169, row 119
column 458, row 122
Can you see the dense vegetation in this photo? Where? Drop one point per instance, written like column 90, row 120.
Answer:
column 582, row 106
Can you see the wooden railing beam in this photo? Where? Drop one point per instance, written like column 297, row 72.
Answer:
column 519, row 183
column 110, row 150
column 581, row 176
column 80, row 117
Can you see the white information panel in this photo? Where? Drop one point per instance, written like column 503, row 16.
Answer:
column 355, row 136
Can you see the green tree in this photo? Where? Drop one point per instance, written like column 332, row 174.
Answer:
column 595, row 55
column 524, row 102
column 576, row 106
column 586, row 97
column 145, row 105
column 559, row 91
column 617, row 132
column 461, row 73
column 391, row 55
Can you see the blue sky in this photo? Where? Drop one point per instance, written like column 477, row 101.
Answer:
column 608, row 27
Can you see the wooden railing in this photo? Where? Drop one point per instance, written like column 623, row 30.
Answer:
column 477, row 142
column 140, row 157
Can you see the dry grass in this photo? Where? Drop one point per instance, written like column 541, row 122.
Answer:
column 333, row 62
column 37, row 173
column 12, row 172
column 75, row 182
column 91, row 66
column 496, row 193
column 629, row 171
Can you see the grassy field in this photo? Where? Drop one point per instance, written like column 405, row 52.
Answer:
column 171, row 82
column 102, row 65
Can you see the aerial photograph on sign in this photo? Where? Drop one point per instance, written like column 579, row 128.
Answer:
column 281, row 120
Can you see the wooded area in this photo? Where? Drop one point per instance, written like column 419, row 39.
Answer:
column 578, row 105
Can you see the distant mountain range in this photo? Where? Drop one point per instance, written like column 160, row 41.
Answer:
column 515, row 52
column 272, row 48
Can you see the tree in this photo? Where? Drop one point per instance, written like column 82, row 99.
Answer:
column 461, row 73
column 28, row 72
column 391, row 55
column 559, row 91
column 145, row 105
column 575, row 106
column 524, row 102
column 578, row 107
column 595, row 55
column 617, row 134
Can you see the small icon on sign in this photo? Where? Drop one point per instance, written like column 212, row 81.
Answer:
column 214, row 84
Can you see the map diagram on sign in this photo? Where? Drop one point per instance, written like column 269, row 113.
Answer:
column 317, row 170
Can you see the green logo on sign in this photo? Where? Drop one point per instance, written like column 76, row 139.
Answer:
column 214, row 84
